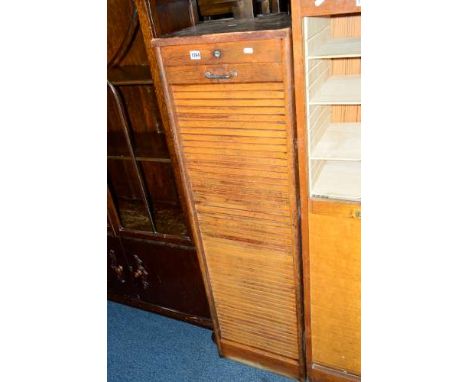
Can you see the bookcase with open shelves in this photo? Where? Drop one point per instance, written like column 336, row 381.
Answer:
column 332, row 57
column 327, row 72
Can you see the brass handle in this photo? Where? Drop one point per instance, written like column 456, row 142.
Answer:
column 141, row 273
column 118, row 269
column 212, row 76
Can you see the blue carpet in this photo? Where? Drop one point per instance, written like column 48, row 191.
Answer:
column 146, row 347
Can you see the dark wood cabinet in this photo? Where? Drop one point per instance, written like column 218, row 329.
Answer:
column 169, row 277
column 152, row 262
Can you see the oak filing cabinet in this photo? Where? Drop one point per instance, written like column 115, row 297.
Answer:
column 228, row 87
column 327, row 70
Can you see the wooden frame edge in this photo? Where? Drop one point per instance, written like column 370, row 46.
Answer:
column 319, row 373
column 303, row 164
column 221, row 37
column 294, row 195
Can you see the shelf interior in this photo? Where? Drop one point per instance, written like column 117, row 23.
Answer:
column 339, row 141
column 333, row 81
column 337, row 48
column 333, row 37
column 338, row 90
column 336, row 179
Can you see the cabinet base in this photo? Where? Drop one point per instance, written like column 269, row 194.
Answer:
column 196, row 320
column 318, row 373
column 261, row 359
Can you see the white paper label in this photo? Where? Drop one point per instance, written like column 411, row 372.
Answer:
column 318, row 3
column 358, row 3
column 195, row 55
column 248, row 50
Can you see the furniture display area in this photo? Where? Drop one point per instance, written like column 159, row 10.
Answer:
column 234, row 178
column 152, row 262
column 228, row 88
column 327, row 68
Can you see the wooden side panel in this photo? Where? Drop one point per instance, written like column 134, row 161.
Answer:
column 335, row 285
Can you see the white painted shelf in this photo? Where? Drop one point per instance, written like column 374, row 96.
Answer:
column 337, row 48
column 338, row 180
column 340, row 141
column 339, row 90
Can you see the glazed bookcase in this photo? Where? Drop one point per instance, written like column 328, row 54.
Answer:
column 327, row 58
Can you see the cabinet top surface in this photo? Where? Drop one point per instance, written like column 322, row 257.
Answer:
column 260, row 23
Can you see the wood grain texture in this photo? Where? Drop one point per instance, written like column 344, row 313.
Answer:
column 335, row 285
column 258, row 358
column 271, row 72
column 328, row 7
column 255, row 308
column 319, row 373
column 236, row 141
column 302, row 164
column 231, row 52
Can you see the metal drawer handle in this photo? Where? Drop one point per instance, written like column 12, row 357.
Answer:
column 212, row 76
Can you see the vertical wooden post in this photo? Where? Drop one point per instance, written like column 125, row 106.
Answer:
column 243, row 9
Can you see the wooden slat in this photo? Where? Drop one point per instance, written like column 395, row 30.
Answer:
column 228, row 87
column 277, row 305
column 254, row 125
column 227, row 151
column 242, row 203
column 265, row 165
column 246, row 94
column 235, row 132
column 252, row 111
column 222, row 102
column 276, row 118
column 275, row 286
column 267, row 316
column 243, row 334
column 269, row 307
column 251, row 192
column 233, row 212
column 216, row 139
column 223, row 216
column 235, row 172
column 263, row 168
column 271, row 332
column 227, row 146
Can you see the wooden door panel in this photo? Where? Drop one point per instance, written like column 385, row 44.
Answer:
column 167, row 276
column 335, row 285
